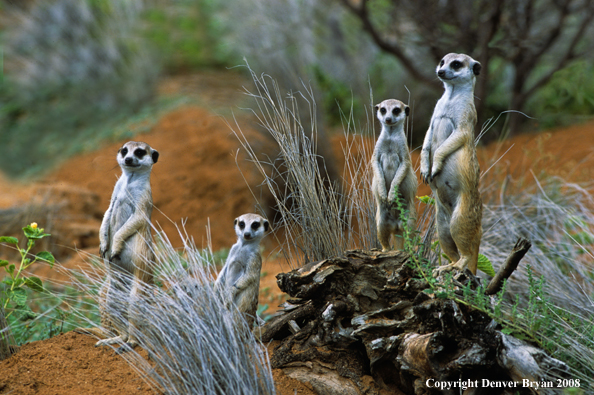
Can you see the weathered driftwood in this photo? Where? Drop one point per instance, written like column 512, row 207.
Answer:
column 361, row 324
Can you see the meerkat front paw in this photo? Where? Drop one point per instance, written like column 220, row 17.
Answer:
column 114, row 256
column 425, row 172
column 425, row 177
column 103, row 248
column 434, row 172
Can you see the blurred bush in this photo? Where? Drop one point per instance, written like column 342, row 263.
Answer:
column 72, row 68
column 185, row 35
column 311, row 43
column 568, row 98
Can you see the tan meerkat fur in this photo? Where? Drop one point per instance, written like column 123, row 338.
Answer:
column 239, row 279
column 392, row 174
column 450, row 166
column 126, row 246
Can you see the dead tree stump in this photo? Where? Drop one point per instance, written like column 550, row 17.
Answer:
column 362, row 324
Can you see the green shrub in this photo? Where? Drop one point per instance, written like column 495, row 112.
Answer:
column 71, row 67
column 567, row 98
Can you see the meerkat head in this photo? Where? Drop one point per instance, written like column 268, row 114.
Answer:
column 137, row 156
column 457, row 68
column 251, row 227
column 391, row 112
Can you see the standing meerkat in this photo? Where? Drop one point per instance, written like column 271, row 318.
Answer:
column 392, row 174
column 126, row 247
column 450, row 166
column 239, row 280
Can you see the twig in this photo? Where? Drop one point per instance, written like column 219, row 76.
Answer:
column 511, row 263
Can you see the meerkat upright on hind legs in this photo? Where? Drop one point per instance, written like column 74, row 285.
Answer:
column 126, row 247
column 450, row 166
column 239, row 279
column 393, row 174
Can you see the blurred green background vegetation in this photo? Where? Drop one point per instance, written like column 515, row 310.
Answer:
column 77, row 73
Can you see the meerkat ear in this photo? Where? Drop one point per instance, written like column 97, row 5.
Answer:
column 476, row 68
column 376, row 107
column 407, row 110
column 155, row 156
column 266, row 226
column 235, row 222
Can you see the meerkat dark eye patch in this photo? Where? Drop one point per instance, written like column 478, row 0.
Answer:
column 396, row 111
column 456, row 64
column 241, row 225
column 139, row 153
column 124, row 151
column 441, row 63
column 382, row 111
column 255, row 225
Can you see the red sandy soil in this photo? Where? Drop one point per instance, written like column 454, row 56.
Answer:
column 197, row 181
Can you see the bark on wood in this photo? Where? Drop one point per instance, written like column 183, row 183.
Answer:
column 509, row 266
column 362, row 323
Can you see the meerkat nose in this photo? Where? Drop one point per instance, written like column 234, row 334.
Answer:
column 128, row 161
column 441, row 73
column 247, row 235
column 388, row 120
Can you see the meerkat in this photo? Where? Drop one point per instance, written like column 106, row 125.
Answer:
column 126, row 247
column 449, row 164
column 393, row 174
column 239, row 280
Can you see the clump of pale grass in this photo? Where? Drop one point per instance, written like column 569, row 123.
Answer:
column 195, row 345
column 319, row 219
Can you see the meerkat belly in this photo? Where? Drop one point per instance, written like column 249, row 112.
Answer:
column 122, row 212
column 390, row 163
column 444, row 126
column 236, row 271
column 446, row 184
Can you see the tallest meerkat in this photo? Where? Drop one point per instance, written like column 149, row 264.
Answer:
column 450, row 166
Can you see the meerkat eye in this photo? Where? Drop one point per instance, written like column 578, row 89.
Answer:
column 241, row 225
column 382, row 111
column 441, row 63
column 124, row 151
column 456, row 64
column 140, row 153
column 396, row 111
column 255, row 225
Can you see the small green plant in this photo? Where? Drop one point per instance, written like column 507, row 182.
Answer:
column 14, row 296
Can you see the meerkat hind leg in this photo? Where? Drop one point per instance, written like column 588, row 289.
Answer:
column 383, row 231
column 444, row 235
column 466, row 232
column 138, row 295
column 399, row 240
